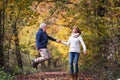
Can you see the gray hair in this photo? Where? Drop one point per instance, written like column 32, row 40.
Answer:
column 42, row 25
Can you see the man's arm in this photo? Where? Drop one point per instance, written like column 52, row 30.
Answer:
column 38, row 36
column 51, row 38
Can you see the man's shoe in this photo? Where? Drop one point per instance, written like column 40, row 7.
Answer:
column 34, row 65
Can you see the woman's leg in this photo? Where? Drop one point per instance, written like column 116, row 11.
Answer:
column 71, row 57
column 76, row 57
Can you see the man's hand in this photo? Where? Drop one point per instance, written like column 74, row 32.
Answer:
column 58, row 41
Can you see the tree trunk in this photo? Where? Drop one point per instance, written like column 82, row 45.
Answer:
column 17, row 47
column 49, row 62
column 1, row 39
column 2, row 31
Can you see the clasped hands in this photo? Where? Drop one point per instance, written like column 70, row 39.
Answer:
column 58, row 41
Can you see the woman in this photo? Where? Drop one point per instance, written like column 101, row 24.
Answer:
column 74, row 51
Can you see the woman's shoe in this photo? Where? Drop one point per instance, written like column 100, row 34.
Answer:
column 71, row 76
column 76, row 76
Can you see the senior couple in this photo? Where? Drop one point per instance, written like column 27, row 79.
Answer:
column 74, row 41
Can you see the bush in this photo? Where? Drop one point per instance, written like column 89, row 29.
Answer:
column 5, row 76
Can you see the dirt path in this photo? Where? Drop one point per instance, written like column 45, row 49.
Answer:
column 50, row 76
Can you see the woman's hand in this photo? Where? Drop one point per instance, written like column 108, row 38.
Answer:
column 85, row 52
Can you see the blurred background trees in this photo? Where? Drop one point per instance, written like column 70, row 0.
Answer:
column 98, row 20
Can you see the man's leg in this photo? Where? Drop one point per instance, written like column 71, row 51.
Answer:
column 44, row 56
column 36, row 61
column 48, row 53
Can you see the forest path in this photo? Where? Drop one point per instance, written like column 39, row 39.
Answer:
column 51, row 76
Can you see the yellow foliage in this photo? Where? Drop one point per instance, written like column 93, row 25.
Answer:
column 0, row 4
column 11, row 1
column 62, row 34
column 27, row 38
column 61, row 21
column 74, row 1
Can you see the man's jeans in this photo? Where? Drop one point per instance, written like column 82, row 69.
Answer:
column 45, row 55
column 74, row 56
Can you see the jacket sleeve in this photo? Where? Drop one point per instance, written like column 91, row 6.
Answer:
column 66, row 43
column 82, row 43
column 51, row 38
column 38, row 36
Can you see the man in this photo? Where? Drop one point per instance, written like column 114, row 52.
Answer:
column 41, row 42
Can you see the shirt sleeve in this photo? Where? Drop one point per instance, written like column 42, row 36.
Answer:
column 66, row 43
column 82, row 43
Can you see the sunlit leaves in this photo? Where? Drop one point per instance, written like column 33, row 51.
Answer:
column 100, row 28
column 62, row 34
column 27, row 38
column 1, row 4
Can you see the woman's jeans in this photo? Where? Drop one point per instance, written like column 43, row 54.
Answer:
column 74, row 56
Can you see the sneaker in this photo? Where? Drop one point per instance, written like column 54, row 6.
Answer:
column 34, row 65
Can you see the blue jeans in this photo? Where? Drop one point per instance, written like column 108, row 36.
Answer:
column 74, row 56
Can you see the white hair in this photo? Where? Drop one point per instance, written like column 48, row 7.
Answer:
column 42, row 25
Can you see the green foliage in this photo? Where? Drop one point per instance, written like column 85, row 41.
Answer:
column 98, row 20
column 5, row 76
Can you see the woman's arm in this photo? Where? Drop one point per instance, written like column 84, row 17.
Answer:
column 66, row 43
column 82, row 43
